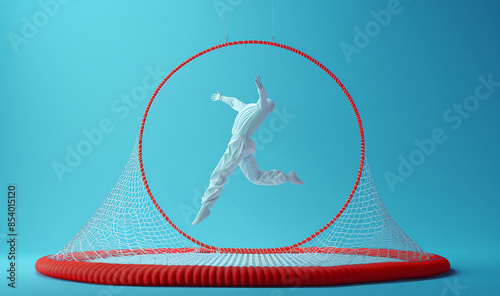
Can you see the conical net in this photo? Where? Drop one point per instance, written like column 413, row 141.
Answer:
column 128, row 228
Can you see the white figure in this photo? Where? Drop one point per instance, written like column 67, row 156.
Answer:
column 240, row 150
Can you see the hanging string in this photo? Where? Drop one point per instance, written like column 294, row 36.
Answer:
column 273, row 18
column 226, row 20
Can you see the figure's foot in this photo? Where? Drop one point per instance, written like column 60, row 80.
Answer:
column 292, row 178
column 202, row 214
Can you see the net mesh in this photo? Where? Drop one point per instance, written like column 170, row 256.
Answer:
column 128, row 228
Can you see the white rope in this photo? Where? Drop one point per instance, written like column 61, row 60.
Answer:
column 273, row 18
column 226, row 19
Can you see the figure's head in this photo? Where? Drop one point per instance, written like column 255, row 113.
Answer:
column 270, row 105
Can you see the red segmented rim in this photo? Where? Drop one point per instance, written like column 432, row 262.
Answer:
column 253, row 250
column 246, row 276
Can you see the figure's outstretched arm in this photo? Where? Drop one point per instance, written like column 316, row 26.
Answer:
column 262, row 93
column 233, row 102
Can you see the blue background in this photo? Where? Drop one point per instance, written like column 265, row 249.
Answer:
column 74, row 70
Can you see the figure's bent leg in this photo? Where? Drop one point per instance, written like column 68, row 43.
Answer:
column 227, row 164
column 273, row 177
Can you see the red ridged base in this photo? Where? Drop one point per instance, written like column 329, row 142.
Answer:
column 161, row 275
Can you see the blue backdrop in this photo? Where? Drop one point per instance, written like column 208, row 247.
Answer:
column 424, row 76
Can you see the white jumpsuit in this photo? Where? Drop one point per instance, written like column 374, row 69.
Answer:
column 241, row 148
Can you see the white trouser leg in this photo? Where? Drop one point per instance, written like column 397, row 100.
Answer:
column 249, row 167
column 235, row 151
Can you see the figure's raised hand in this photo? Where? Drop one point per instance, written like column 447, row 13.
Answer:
column 260, row 88
column 216, row 97
column 258, row 83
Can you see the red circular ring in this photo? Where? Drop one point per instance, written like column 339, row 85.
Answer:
column 253, row 250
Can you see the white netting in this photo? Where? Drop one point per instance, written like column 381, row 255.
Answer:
column 127, row 228
column 366, row 224
column 126, row 220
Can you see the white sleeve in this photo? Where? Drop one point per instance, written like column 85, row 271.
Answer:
column 262, row 103
column 233, row 102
